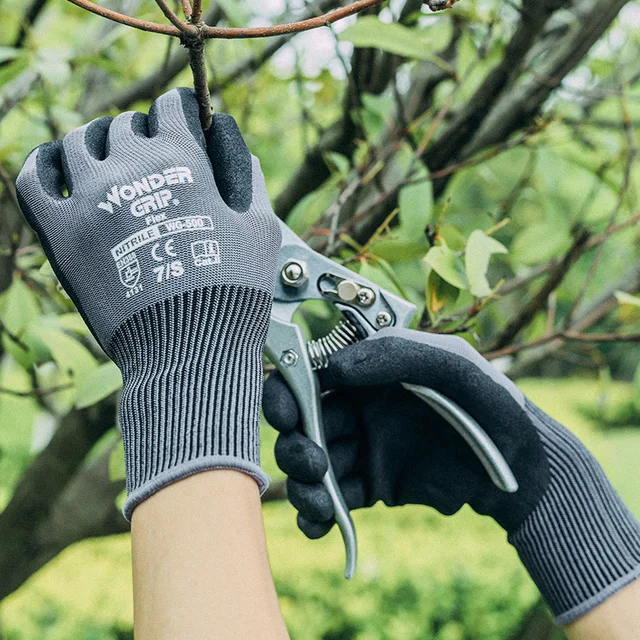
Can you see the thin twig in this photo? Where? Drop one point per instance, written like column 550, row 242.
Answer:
column 228, row 32
column 293, row 27
column 196, row 14
column 187, row 9
column 625, row 224
column 171, row 16
column 528, row 312
column 563, row 336
column 14, row 338
column 198, row 64
column 143, row 25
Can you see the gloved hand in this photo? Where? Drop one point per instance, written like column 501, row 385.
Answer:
column 573, row 533
column 167, row 244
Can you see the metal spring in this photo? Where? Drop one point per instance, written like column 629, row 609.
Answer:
column 341, row 336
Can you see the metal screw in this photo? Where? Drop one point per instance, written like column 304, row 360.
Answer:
column 294, row 273
column 366, row 296
column 289, row 358
column 383, row 319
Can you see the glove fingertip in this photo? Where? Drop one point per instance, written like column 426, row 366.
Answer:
column 314, row 530
column 300, row 458
column 347, row 366
column 174, row 110
column 311, row 500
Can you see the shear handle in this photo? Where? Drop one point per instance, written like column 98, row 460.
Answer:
column 287, row 349
column 476, row 437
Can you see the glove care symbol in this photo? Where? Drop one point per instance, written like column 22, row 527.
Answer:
column 205, row 252
column 129, row 270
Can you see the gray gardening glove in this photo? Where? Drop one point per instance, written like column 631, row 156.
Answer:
column 167, row 245
column 574, row 534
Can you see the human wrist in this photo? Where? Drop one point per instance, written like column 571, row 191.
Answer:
column 192, row 372
column 580, row 544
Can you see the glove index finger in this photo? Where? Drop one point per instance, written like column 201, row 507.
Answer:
column 231, row 162
column 279, row 404
column 177, row 113
column 445, row 363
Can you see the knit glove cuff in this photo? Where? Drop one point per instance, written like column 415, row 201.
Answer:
column 192, row 373
column 581, row 544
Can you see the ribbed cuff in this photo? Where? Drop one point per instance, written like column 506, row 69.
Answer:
column 581, row 544
column 192, row 372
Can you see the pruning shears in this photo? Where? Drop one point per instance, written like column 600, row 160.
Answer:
column 303, row 274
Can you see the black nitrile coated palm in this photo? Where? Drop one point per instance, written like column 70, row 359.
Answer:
column 386, row 444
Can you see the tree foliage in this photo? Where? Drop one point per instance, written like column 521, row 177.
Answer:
column 478, row 161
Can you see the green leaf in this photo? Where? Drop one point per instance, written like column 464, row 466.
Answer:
column 338, row 163
column 72, row 322
column 439, row 292
column 626, row 298
column 310, row 209
column 415, row 202
column 381, row 275
column 480, row 248
column 98, row 385
column 447, row 265
column 392, row 37
column 20, row 306
column 453, row 238
column 540, row 242
column 395, row 247
column 116, row 463
column 629, row 306
column 8, row 53
column 71, row 357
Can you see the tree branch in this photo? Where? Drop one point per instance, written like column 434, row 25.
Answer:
column 607, row 301
column 29, row 18
column 171, row 16
column 517, row 106
column 210, row 32
column 563, row 336
column 531, row 308
column 143, row 25
column 462, row 128
column 148, row 87
column 313, row 170
column 292, row 27
column 196, row 12
column 42, row 484
column 17, row 90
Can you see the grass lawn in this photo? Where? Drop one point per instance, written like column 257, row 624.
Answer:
column 420, row 575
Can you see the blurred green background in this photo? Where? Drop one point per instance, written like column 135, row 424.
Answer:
column 480, row 162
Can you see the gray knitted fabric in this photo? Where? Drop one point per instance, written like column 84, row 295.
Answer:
column 175, row 284
column 573, row 532
column 581, row 544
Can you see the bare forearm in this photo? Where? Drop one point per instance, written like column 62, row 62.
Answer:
column 200, row 564
column 618, row 618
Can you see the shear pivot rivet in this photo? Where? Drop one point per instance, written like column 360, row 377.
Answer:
column 294, row 273
column 348, row 290
column 383, row 319
column 289, row 358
